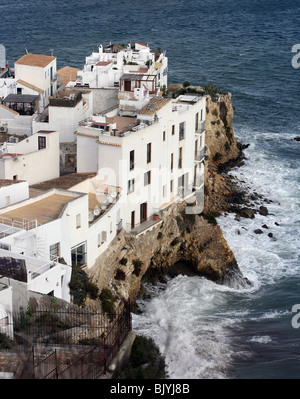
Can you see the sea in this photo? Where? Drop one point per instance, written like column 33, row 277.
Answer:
column 206, row 330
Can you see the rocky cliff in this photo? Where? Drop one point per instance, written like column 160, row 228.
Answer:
column 182, row 243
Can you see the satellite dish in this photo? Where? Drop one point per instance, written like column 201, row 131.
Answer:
column 103, row 206
column 113, row 194
column 110, row 199
column 96, row 211
column 91, row 216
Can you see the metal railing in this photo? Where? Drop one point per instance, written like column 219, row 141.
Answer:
column 24, row 224
column 199, row 155
column 78, row 362
column 201, row 127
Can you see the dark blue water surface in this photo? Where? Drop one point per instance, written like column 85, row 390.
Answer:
column 243, row 47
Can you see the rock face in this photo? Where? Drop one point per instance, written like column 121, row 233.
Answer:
column 183, row 243
column 192, row 242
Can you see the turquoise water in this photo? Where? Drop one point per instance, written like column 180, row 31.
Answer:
column 206, row 330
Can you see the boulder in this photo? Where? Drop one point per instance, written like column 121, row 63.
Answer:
column 263, row 211
column 258, row 231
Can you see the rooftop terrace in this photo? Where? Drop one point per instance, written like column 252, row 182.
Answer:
column 44, row 210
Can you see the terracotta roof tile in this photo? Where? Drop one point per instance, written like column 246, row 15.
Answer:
column 39, row 60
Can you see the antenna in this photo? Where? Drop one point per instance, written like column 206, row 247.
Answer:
column 96, row 210
column 51, row 52
column 25, row 46
column 91, row 216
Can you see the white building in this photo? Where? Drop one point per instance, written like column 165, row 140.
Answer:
column 13, row 191
column 156, row 157
column 34, row 159
column 36, row 74
column 105, row 67
column 64, row 112
column 75, row 226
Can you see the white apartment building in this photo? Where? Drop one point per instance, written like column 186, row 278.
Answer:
column 156, row 157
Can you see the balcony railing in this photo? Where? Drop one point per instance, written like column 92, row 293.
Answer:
column 201, row 127
column 146, row 224
column 199, row 180
column 199, row 155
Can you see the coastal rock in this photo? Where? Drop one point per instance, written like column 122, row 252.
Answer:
column 263, row 211
column 247, row 213
column 297, row 138
column 258, row 231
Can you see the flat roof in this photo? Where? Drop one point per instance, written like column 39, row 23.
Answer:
column 63, row 182
column 7, row 182
column 44, row 210
column 20, row 98
column 39, row 60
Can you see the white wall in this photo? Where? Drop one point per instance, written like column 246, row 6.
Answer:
column 35, row 166
column 16, row 192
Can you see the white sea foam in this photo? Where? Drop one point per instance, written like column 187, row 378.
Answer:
column 263, row 339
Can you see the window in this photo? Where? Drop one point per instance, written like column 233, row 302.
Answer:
column 78, row 221
column 102, row 237
column 41, row 142
column 172, row 159
column 19, row 90
column 164, row 135
column 130, row 188
column 173, row 130
column 180, row 158
column 164, row 190
column 78, row 254
column 55, row 250
column 197, row 121
column 147, row 178
column 148, row 152
column 171, row 186
column 182, row 131
column 131, row 160
column 15, row 177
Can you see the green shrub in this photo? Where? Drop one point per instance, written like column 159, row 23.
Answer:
column 211, row 219
column 108, row 302
column 186, row 84
column 145, row 362
column 217, row 156
column 159, row 235
column 123, row 261
column 137, row 263
column 120, row 275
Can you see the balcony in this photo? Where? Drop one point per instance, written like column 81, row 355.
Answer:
column 199, row 155
column 141, row 228
column 201, row 127
column 198, row 181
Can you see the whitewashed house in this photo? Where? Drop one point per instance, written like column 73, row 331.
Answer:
column 36, row 74
column 34, row 159
column 75, row 226
column 64, row 112
column 12, row 191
